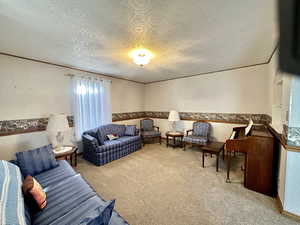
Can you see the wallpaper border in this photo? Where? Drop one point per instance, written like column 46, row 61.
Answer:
column 293, row 136
column 12, row 127
column 21, row 126
column 235, row 118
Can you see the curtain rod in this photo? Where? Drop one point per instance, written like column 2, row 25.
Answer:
column 87, row 76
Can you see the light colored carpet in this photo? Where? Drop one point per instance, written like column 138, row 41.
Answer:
column 166, row 186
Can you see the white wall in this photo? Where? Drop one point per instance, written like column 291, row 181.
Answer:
column 294, row 120
column 244, row 90
column 282, row 174
column 32, row 90
column 285, row 111
column 292, row 185
column 237, row 91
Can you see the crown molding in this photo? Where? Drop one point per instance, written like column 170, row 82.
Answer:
column 115, row 77
column 69, row 67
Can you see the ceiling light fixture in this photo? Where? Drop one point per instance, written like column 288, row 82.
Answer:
column 141, row 56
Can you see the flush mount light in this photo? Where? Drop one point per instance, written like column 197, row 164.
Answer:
column 141, row 56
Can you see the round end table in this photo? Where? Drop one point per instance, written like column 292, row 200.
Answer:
column 67, row 155
column 175, row 135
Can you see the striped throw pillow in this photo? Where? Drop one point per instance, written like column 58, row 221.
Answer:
column 35, row 161
column 34, row 192
column 11, row 199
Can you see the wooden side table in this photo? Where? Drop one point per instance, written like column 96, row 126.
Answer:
column 175, row 135
column 213, row 148
column 68, row 155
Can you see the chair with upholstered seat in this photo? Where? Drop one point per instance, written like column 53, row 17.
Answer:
column 148, row 130
column 199, row 136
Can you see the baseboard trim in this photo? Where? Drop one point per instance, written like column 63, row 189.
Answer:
column 291, row 215
column 279, row 204
column 286, row 213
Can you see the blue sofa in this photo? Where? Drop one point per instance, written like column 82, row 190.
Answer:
column 69, row 198
column 99, row 150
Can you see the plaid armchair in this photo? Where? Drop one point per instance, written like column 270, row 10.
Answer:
column 148, row 130
column 199, row 136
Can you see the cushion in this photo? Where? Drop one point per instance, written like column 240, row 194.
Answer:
column 34, row 194
column 151, row 133
column 147, row 125
column 104, row 130
column 35, row 161
column 100, row 215
column 92, row 132
column 63, row 197
column 112, row 137
column 130, row 130
column 195, row 139
column 201, row 129
column 122, row 140
column 90, row 138
column 63, row 171
column 12, row 201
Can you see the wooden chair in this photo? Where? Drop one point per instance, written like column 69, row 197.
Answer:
column 148, row 130
column 199, row 136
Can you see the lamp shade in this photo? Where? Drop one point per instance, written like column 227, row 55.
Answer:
column 57, row 123
column 173, row 116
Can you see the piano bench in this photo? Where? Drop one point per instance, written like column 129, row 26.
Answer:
column 213, row 148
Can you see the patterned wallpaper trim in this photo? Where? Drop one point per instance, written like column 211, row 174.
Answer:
column 11, row 127
column 236, row 118
column 127, row 116
column 289, row 139
column 293, row 136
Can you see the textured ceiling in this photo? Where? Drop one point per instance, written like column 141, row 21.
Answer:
column 187, row 36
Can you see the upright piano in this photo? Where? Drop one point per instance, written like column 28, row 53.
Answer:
column 260, row 158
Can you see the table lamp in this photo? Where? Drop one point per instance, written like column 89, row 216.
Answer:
column 173, row 117
column 57, row 125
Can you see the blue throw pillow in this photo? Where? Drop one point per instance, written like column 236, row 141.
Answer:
column 35, row 161
column 130, row 130
column 100, row 215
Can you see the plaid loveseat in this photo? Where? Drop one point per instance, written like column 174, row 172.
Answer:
column 99, row 150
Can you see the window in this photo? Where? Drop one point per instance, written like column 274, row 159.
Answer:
column 91, row 103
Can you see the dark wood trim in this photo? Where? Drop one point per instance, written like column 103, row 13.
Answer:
column 22, row 131
column 212, row 121
column 215, row 121
column 291, row 215
column 279, row 204
column 277, row 135
column 282, row 140
column 210, row 72
column 286, row 213
column 115, row 77
column 291, row 148
column 271, row 56
column 224, row 70
column 68, row 67
column 43, row 129
column 14, row 129
column 135, row 118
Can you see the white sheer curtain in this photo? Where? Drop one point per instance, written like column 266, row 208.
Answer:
column 91, row 103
